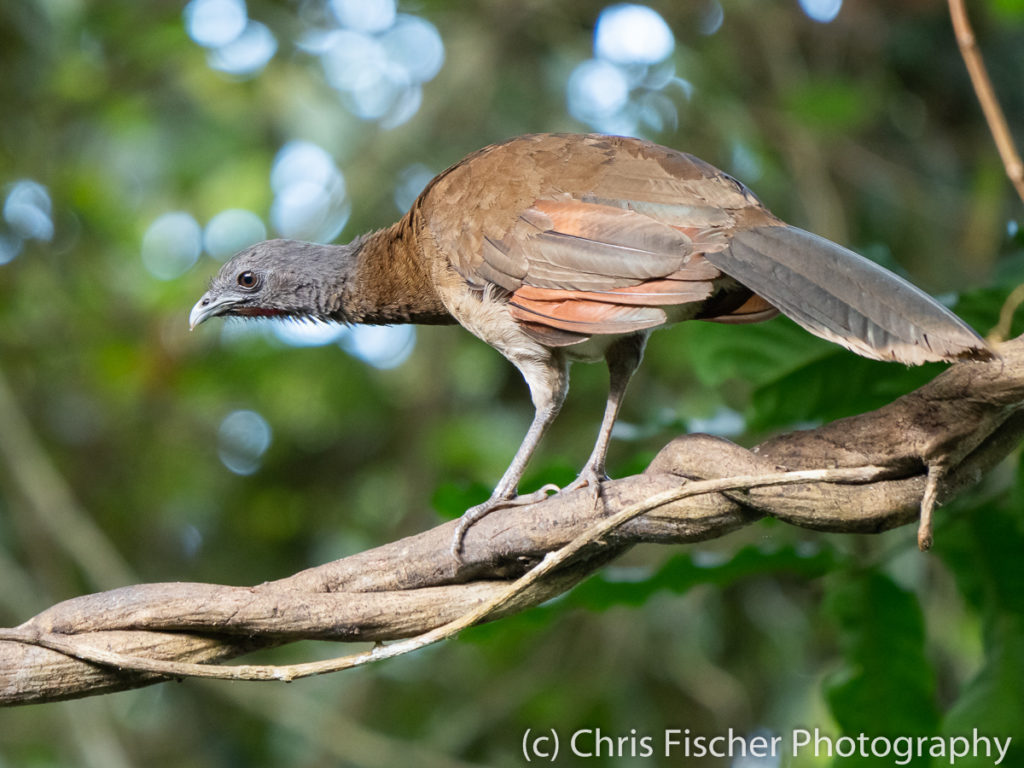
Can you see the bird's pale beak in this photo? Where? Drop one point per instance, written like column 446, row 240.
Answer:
column 209, row 306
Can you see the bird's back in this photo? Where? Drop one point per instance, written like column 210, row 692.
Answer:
column 485, row 193
column 585, row 235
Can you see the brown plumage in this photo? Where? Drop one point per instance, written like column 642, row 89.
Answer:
column 554, row 248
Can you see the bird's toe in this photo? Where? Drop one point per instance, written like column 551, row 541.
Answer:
column 474, row 514
column 591, row 479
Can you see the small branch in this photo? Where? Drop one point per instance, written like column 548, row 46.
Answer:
column 925, row 534
column 1001, row 331
column 986, row 95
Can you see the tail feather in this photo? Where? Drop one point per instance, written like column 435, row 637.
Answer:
column 843, row 297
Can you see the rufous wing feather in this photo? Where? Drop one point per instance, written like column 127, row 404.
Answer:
column 587, row 317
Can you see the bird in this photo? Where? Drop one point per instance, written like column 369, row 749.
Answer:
column 556, row 248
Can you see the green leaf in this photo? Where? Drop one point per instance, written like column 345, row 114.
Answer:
column 983, row 548
column 841, row 384
column 755, row 354
column 886, row 686
column 680, row 573
column 991, row 704
column 618, row 586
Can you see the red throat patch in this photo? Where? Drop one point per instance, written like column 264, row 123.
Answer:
column 258, row 312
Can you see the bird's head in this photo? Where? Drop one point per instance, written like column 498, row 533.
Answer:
column 275, row 278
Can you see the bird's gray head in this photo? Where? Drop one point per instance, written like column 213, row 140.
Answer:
column 276, row 278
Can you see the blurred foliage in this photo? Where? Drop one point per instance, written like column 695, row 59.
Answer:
column 864, row 129
column 882, row 639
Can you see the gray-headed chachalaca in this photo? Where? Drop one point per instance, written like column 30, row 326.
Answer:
column 555, row 248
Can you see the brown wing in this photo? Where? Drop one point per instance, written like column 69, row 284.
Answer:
column 590, row 234
column 592, row 268
column 598, row 234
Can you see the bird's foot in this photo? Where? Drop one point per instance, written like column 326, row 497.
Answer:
column 590, row 479
column 480, row 511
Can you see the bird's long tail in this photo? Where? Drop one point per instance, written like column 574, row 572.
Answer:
column 843, row 297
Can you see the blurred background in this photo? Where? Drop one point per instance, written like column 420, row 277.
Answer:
column 141, row 144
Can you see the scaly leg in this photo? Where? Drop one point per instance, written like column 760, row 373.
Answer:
column 549, row 384
column 623, row 358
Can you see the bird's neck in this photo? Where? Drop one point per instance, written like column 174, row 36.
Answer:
column 388, row 283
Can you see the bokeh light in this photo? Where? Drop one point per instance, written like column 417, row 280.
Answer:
column 191, row 539
column 623, row 88
column 243, row 438
column 379, row 69
column 310, row 200
column 725, row 422
column 171, row 245
column 28, row 210
column 382, row 346
column 365, row 15
column 746, row 163
column 411, row 181
column 232, row 230
column 403, row 107
column 711, row 18
column 248, row 53
column 213, row 23
column 375, row 58
column 10, row 247
column 823, row 11
column 310, row 333
column 632, row 34
column 415, row 46
column 352, row 60
column 598, row 91
column 237, row 45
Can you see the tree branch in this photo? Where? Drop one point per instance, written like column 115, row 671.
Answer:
column 968, row 45
column 698, row 487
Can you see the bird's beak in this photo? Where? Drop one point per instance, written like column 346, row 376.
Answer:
column 210, row 306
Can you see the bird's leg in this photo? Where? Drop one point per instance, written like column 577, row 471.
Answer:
column 623, row 358
column 549, row 384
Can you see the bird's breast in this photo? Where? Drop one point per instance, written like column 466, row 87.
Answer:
column 485, row 314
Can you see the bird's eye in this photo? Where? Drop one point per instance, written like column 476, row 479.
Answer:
column 248, row 280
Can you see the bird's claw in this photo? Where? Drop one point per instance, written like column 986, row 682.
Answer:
column 480, row 511
column 591, row 479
